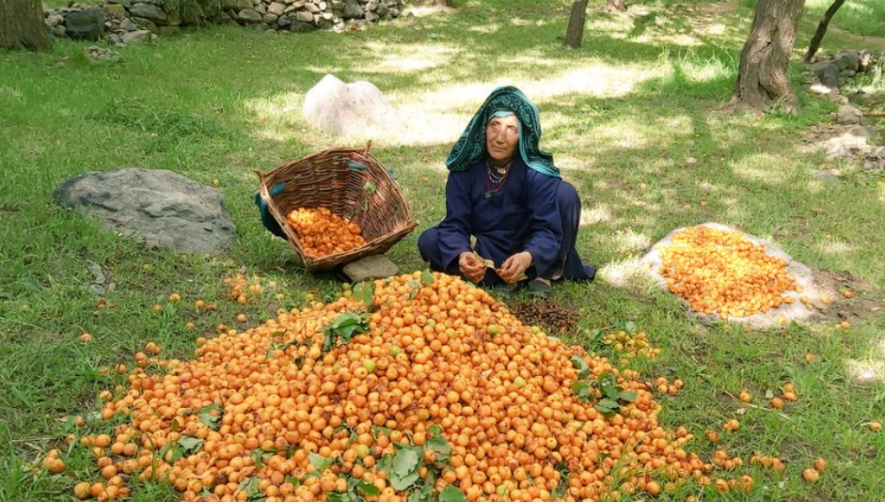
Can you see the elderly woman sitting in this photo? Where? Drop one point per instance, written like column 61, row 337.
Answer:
column 506, row 202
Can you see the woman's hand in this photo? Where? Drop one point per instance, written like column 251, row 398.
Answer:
column 471, row 266
column 515, row 266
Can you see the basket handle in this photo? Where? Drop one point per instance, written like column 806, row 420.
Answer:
column 260, row 176
column 368, row 146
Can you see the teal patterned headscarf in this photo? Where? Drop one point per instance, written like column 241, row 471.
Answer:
column 471, row 147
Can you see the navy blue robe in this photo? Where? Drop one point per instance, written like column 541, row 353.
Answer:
column 533, row 212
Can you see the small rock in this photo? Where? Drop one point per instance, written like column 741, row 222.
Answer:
column 304, row 16
column 847, row 60
column 352, row 10
column 302, row 27
column 146, row 24
column 127, row 25
column 54, row 20
column 376, row 266
column 276, row 8
column 827, row 73
column 865, row 60
column 249, row 16
column 270, row 18
column 848, row 114
column 98, row 55
column 116, row 10
column 97, row 273
column 137, row 37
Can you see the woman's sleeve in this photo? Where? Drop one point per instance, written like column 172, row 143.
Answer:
column 454, row 231
column 544, row 220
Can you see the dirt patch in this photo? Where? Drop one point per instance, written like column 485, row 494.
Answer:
column 547, row 314
column 865, row 301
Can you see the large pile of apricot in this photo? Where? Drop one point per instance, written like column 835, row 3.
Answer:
column 322, row 232
column 306, row 407
column 725, row 273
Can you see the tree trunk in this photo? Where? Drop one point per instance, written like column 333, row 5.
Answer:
column 575, row 31
column 822, row 30
column 21, row 25
column 615, row 5
column 442, row 3
column 763, row 79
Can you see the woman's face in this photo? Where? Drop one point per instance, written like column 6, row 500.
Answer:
column 502, row 136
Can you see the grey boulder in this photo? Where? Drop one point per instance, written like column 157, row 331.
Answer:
column 156, row 207
column 357, row 109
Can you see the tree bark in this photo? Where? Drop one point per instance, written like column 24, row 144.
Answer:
column 615, row 5
column 763, row 79
column 21, row 25
column 822, row 30
column 575, row 31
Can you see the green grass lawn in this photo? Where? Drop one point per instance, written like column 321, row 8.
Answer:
column 622, row 115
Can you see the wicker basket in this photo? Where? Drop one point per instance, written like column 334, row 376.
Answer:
column 351, row 183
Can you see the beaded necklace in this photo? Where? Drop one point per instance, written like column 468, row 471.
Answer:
column 495, row 178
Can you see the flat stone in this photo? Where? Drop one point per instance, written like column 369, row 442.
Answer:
column 304, row 16
column 114, row 10
column 376, row 266
column 849, row 114
column 137, row 37
column 127, row 25
column 146, row 24
column 156, row 207
column 149, row 11
column 249, row 16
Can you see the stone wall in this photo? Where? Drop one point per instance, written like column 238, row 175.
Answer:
column 130, row 21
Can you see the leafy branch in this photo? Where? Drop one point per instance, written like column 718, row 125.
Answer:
column 403, row 469
column 612, row 397
column 344, row 327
